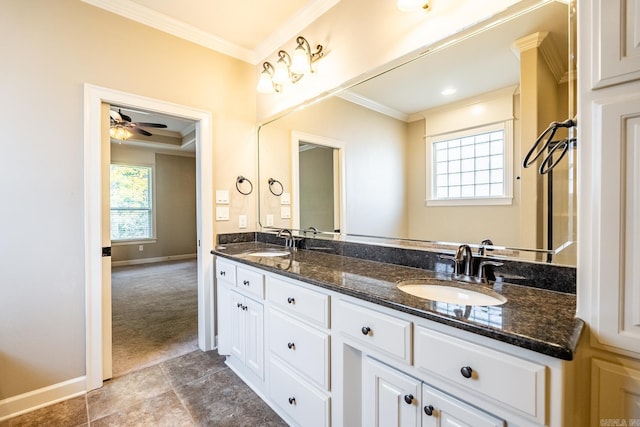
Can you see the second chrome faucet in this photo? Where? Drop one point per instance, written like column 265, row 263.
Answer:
column 463, row 266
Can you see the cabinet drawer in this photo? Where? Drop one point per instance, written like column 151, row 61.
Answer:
column 250, row 282
column 225, row 271
column 387, row 334
column 508, row 379
column 303, row 347
column 297, row 301
column 306, row 405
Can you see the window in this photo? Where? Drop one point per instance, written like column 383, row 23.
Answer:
column 471, row 167
column 131, row 202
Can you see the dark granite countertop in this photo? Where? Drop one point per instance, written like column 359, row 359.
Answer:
column 536, row 319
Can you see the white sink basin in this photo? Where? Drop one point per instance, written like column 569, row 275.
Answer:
column 269, row 253
column 451, row 294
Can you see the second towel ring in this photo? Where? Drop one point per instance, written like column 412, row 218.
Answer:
column 241, row 179
column 273, row 181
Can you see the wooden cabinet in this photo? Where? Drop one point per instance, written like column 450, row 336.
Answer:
column 609, row 226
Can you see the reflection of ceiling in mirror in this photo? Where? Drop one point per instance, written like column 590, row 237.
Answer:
column 475, row 65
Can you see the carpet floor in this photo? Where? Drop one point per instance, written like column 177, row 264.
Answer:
column 155, row 313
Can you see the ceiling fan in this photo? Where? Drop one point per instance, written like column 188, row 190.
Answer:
column 121, row 127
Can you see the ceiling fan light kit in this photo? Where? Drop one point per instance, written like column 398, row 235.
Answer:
column 289, row 68
column 121, row 127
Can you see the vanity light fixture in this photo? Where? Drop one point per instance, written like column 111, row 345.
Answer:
column 120, row 132
column 413, row 5
column 289, row 69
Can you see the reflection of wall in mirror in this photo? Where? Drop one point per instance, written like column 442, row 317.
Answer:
column 375, row 162
column 386, row 175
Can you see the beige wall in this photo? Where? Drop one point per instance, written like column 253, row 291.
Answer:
column 50, row 49
column 175, row 204
column 375, row 163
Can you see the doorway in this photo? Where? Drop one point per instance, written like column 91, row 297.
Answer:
column 97, row 255
column 318, row 169
column 151, row 203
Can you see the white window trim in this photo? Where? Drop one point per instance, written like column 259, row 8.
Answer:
column 507, row 199
column 153, row 238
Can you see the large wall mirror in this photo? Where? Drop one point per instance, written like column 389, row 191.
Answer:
column 431, row 151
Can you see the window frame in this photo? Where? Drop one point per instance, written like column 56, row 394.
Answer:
column 505, row 199
column 137, row 240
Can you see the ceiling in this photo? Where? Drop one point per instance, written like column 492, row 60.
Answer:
column 248, row 30
column 475, row 65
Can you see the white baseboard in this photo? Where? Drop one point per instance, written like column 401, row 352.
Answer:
column 42, row 397
column 152, row 260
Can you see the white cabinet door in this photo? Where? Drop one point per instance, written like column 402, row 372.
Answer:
column 246, row 331
column 616, row 394
column 254, row 336
column 618, row 316
column 390, row 398
column 616, row 46
column 223, row 305
column 441, row 410
column 237, row 333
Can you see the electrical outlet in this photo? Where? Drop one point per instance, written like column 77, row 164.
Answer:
column 269, row 220
column 141, row 248
column 285, row 212
column 242, row 221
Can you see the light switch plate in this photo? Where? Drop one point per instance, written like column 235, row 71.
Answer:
column 242, row 221
column 285, row 212
column 222, row 197
column 269, row 220
column 222, row 213
column 285, row 199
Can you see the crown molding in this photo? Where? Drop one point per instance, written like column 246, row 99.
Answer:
column 167, row 24
column 372, row 105
column 292, row 27
column 548, row 50
column 162, row 22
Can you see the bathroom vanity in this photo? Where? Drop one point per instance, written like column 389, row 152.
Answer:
column 329, row 340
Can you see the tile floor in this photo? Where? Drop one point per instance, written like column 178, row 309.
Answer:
column 196, row 389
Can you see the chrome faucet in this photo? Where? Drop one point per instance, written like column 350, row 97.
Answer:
column 288, row 240
column 464, row 255
column 312, row 229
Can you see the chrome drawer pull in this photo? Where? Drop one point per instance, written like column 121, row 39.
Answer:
column 365, row 330
column 292, row 401
column 291, row 345
column 291, row 300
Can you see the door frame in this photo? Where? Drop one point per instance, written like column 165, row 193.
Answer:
column 94, row 96
column 339, row 177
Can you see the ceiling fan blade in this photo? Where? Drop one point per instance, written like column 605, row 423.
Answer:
column 140, row 131
column 124, row 116
column 150, row 125
column 115, row 116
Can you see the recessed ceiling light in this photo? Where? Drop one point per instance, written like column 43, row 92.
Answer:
column 448, row 91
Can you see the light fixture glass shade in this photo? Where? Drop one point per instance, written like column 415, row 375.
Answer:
column 300, row 62
column 281, row 73
column 265, row 84
column 412, row 5
column 120, row 132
